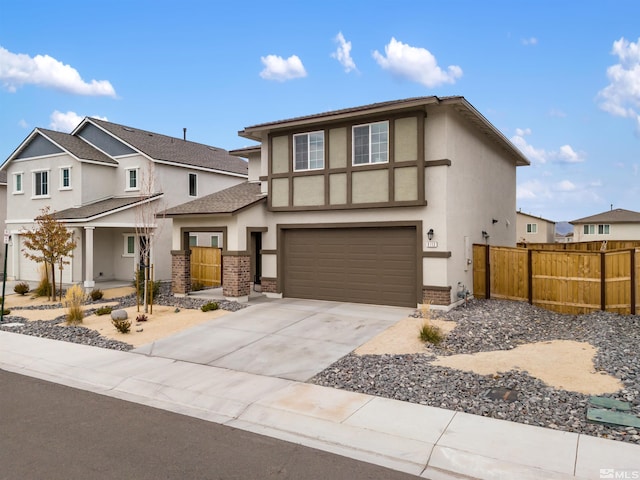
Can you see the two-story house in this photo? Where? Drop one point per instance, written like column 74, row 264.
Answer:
column 532, row 229
column 375, row 204
column 106, row 182
column 614, row 224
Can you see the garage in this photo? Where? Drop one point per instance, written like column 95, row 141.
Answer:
column 376, row 265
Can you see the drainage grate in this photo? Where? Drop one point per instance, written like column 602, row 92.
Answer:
column 501, row 393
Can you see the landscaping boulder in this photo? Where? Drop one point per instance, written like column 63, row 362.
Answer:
column 119, row 314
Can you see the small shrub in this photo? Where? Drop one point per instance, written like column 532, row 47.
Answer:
column 6, row 312
column 21, row 288
column 74, row 298
column 431, row 334
column 103, row 311
column 96, row 294
column 209, row 306
column 196, row 286
column 142, row 318
column 44, row 287
column 122, row 325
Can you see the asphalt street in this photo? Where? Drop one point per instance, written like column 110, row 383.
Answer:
column 50, row 431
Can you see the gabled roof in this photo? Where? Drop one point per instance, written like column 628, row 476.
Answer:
column 77, row 146
column 619, row 215
column 537, row 218
column 171, row 149
column 458, row 103
column 228, row 201
column 102, row 208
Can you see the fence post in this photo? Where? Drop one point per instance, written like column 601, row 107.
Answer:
column 487, row 272
column 530, row 275
column 603, row 285
column 633, row 281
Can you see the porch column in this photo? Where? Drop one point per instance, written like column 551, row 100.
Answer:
column 88, row 260
column 236, row 277
column 180, row 272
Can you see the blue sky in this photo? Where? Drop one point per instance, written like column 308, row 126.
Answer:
column 561, row 79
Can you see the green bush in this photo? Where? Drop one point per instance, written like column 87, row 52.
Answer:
column 104, row 310
column 96, row 294
column 209, row 306
column 431, row 334
column 21, row 288
column 44, row 287
column 122, row 325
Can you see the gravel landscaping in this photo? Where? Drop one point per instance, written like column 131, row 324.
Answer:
column 487, row 325
column 57, row 329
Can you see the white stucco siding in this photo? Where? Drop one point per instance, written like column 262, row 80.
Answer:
column 95, row 182
column 617, row 231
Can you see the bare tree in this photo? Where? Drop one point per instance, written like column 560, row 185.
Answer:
column 51, row 243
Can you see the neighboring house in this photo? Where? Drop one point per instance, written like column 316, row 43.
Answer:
column 106, row 182
column 532, row 229
column 375, row 204
column 614, row 224
column 566, row 238
column 3, row 213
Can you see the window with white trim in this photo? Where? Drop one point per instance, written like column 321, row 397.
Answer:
column 65, row 178
column 132, row 179
column 41, row 183
column 371, row 143
column 532, row 228
column 216, row 240
column 308, row 151
column 17, row 183
column 193, row 185
column 129, row 245
column 602, row 229
column 193, row 241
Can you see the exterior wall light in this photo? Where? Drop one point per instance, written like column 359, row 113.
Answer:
column 430, row 234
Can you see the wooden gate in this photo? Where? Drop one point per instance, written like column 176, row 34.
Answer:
column 206, row 266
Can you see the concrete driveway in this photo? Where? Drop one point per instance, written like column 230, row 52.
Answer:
column 289, row 338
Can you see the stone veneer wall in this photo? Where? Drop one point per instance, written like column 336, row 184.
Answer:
column 180, row 271
column 436, row 295
column 236, row 272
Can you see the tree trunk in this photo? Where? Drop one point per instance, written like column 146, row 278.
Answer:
column 53, row 281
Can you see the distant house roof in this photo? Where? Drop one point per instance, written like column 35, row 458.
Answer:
column 101, row 208
column 537, row 218
column 227, row 201
column 174, row 150
column 460, row 104
column 618, row 215
column 77, row 146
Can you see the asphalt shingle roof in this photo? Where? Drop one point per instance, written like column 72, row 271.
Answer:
column 102, row 207
column 175, row 150
column 78, row 147
column 619, row 215
column 227, row 201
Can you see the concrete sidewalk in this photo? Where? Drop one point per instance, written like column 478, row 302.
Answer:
column 425, row 441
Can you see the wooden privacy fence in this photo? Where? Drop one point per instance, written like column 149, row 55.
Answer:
column 565, row 281
column 206, row 266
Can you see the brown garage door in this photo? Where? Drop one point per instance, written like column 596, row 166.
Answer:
column 362, row 265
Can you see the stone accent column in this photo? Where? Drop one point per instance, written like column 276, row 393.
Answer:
column 269, row 285
column 180, row 271
column 236, row 276
column 88, row 260
column 436, row 295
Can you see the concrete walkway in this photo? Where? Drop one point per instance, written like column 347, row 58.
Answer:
column 425, row 441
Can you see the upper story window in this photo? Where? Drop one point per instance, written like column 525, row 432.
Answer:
column 602, row 229
column 41, row 183
column 371, row 143
column 308, row 151
column 193, row 185
column 17, row 183
column 65, row 178
column 532, row 228
column 132, row 179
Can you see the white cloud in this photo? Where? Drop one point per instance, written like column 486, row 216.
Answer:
column 23, row 124
column 565, row 154
column 555, row 112
column 279, row 69
column 66, row 122
column 343, row 53
column 530, row 41
column 622, row 96
column 415, row 64
column 565, row 186
column 17, row 70
column 532, row 189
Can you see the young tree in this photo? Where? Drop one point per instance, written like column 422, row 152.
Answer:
column 50, row 243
